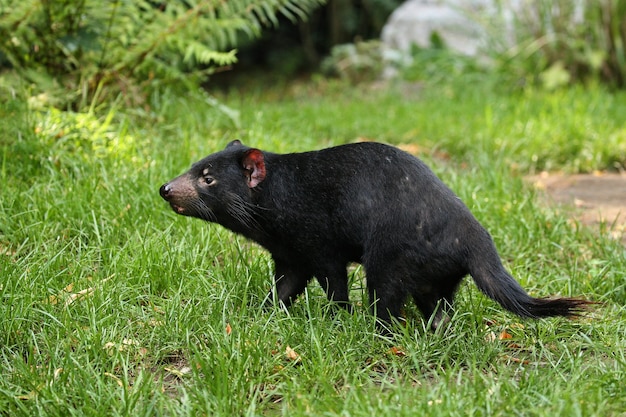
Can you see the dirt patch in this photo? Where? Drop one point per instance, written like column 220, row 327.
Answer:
column 598, row 199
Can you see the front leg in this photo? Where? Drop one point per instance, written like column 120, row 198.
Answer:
column 334, row 281
column 290, row 281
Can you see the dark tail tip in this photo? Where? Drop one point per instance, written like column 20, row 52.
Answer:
column 490, row 276
column 552, row 307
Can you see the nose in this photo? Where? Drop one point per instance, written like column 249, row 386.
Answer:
column 165, row 191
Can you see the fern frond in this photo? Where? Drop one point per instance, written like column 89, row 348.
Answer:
column 88, row 43
column 196, row 52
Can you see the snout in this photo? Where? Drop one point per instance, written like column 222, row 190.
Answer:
column 166, row 191
column 180, row 193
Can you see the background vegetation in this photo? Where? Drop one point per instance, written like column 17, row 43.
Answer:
column 78, row 52
column 559, row 42
column 111, row 304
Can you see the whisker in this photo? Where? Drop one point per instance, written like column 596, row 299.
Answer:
column 243, row 211
column 203, row 210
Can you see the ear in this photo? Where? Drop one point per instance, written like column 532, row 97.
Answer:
column 236, row 142
column 253, row 163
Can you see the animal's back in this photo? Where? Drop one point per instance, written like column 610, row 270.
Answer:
column 362, row 182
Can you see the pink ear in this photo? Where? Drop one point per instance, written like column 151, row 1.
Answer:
column 254, row 165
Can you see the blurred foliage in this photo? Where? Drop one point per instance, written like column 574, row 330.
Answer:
column 96, row 50
column 17, row 144
column 560, row 42
column 438, row 64
column 291, row 48
column 355, row 62
column 547, row 43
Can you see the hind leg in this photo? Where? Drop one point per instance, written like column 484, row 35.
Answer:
column 386, row 305
column 386, row 284
column 435, row 310
column 436, row 303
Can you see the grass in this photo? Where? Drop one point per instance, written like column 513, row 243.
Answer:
column 113, row 305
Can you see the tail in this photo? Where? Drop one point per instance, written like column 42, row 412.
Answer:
column 492, row 279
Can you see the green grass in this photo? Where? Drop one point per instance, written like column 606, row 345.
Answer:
column 110, row 304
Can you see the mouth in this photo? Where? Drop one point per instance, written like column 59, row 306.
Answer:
column 178, row 209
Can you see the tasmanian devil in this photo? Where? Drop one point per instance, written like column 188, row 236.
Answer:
column 364, row 202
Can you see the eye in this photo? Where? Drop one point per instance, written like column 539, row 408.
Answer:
column 208, row 180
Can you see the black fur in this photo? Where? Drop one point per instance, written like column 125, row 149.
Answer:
column 365, row 202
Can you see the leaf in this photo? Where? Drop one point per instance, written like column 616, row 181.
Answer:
column 411, row 148
column 54, row 299
column 30, row 396
column 124, row 346
column 292, row 355
column 504, row 335
column 68, row 297
column 130, row 342
column 109, row 346
column 79, row 295
column 516, row 360
column 397, row 351
column 180, row 373
column 116, row 378
column 555, row 76
column 491, row 337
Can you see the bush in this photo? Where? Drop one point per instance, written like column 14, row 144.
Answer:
column 438, row 64
column 355, row 62
column 562, row 41
column 98, row 48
